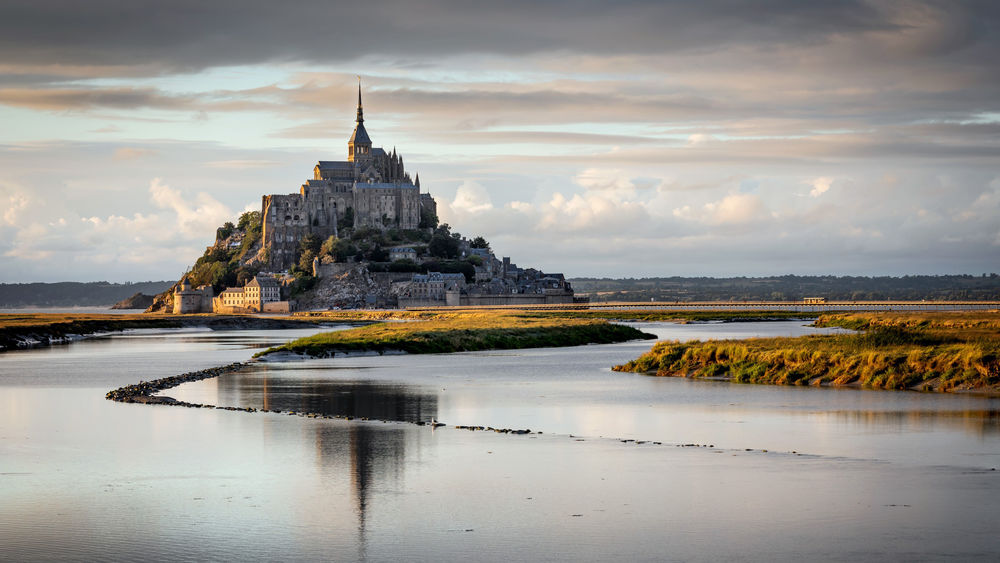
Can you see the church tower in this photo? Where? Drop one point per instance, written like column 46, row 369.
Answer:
column 359, row 148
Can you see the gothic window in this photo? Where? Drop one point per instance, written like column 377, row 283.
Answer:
column 288, row 217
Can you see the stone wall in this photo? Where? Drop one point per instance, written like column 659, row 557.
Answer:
column 279, row 307
column 512, row 299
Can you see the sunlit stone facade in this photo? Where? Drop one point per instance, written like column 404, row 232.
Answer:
column 371, row 189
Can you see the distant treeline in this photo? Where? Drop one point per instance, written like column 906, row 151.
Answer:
column 793, row 288
column 74, row 294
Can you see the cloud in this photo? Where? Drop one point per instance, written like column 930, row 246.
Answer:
column 242, row 164
column 733, row 209
column 604, row 179
column 59, row 99
column 545, row 125
column 130, row 153
column 471, row 198
column 194, row 219
column 820, row 186
column 16, row 203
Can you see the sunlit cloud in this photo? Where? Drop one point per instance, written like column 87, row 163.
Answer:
column 820, row 186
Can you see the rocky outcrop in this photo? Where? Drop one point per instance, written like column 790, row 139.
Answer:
column 137, row 301
column 352, row 287
column 163, row 302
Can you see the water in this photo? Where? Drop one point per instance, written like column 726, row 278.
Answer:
column 68, row 311
column 875, row 475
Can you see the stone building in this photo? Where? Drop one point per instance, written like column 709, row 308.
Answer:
column 253, row 297
column 188, row 300
column 436, row 286
column 261, row 290
column 402, row 253
column 371, row 188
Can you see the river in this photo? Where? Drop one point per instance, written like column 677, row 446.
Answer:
column 626, row 467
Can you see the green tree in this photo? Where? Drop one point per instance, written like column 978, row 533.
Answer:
column 249, row 220
column 443, row 245
column 310, row 243
column 244, row 275
column 428, row 220
column 225, row 230
column 306, row 262
column 343, row 249
column 328, row 246
column 378, row 254
column 479, row 242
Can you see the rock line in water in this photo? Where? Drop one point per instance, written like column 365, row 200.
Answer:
column 143, row 391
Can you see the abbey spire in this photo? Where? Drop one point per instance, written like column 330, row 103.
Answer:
column 361, row 112
column 359, row 148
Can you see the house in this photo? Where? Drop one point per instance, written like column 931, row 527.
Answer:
column 402, row 253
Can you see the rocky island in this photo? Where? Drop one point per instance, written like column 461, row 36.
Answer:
column 360, row 233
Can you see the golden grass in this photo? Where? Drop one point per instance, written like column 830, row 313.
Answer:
column 458, row 331
column 925, row 351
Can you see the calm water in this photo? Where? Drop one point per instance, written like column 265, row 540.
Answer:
column 875, row 475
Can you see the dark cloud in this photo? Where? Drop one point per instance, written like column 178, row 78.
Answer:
column 90, row 98
column 193, row 34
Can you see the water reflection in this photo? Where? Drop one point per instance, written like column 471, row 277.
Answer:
column 976, row 422
column 373, row 456
column 289, row 387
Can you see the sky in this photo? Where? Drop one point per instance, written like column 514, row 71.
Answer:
column 606, row 139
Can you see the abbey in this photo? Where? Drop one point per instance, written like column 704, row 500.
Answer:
column 369, row 189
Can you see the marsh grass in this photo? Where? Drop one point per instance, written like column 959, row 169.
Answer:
column 893, row 351
column 14, row 328
column 463, row 331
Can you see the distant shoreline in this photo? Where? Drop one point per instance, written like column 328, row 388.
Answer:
column 37, row 330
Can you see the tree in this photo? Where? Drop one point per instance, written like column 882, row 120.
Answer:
column 428, row 220
column 443, row 245
column 479, row 242
column 306, row 262
column 328, row 246
column 250, row 219
column 244, row 275
column 378, row 254
column 225, row 230
column 310, row 243
column 342, row 249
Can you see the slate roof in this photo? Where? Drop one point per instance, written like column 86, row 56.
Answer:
column 360, row 135
column 335, row 165
column 384, row 185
